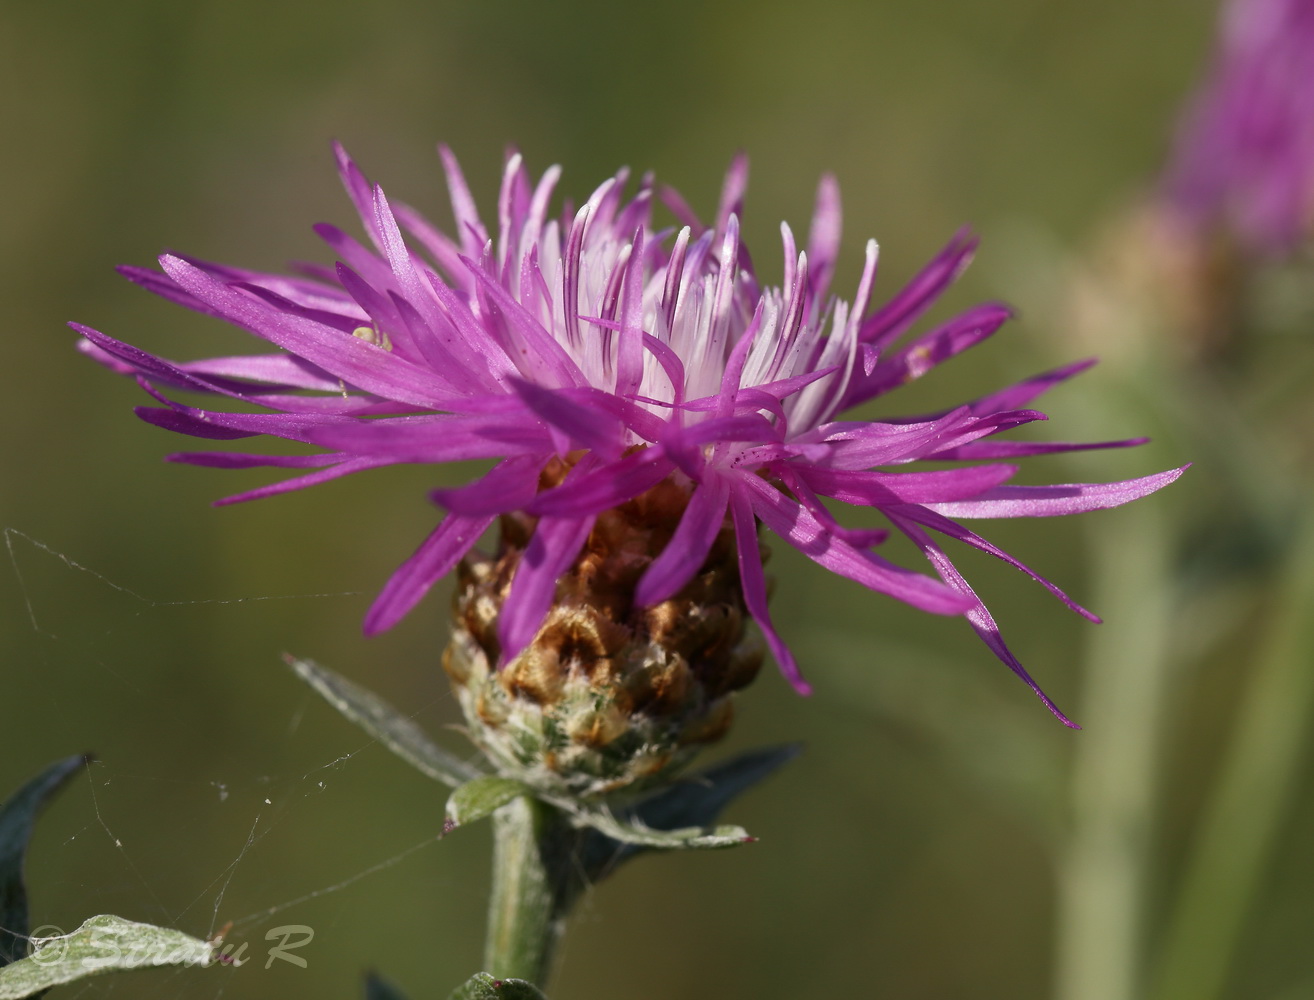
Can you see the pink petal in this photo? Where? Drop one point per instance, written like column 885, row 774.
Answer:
column 583, row 425
column 673, row 200
column 824, row 236
column 978, row 616
column 732, row 192
column 605, row 487
column 885, row 325
column 880, row 488
column 754, row 586
column 468, row 227
column 238, row 460
column 859, row 538
column 508, row 486
column 1053, row 501
column 550, row 362
column 930, row 349
column 687, row 550
column 629, row 352
column 955, row 530
column 344, row 468
column 794, row 523
column 978, row 450
column 340, row 354
column 277, row 369
column 358, row 190
column 1019, row 395
column 434, row 559
column 430, row 438
column 551, row 550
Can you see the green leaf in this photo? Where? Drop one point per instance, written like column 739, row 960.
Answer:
column 633, row 831
column 377, row 988
column 479, row 798
column 102, row 944
column 699, row 799
column 677, row 816
column 482, row 986
column 16, row 819
column 396, row 731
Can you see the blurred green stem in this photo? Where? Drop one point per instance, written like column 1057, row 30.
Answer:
column 531, row 871
column 1103, row 869
column 1237, row 832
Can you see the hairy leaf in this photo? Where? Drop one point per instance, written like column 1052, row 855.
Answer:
column 691, row 804
column 479, row 798
column 396, row 731
column 102, row 944
column 633, row 831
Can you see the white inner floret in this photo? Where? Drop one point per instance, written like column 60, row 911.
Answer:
column 698, row 301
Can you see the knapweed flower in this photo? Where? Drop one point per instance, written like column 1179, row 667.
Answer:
column 650, row 403
column 1244, row 158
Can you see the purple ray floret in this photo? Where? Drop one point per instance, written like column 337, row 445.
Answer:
column 637, row 356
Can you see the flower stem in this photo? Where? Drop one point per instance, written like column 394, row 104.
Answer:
column 532, row 845
column 1104, row 867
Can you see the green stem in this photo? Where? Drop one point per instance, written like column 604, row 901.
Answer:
column 1255, row 788
column 532, row 845
column 1103, row 869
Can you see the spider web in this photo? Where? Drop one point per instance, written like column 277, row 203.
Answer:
column 291, row 819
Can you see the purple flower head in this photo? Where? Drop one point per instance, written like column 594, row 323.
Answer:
column 1244, row 156
column 635, row 356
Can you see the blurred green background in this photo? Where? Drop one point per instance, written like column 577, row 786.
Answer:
column 918, row 848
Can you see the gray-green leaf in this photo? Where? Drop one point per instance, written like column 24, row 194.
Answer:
column 390, row 727
column 695, row 801
column 699, row 799
column 481, row 797
column 635, row 832
column 102, row 944
column 17, row 816
column 482, row 986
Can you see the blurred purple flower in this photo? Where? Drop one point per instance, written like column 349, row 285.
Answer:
column 1244, row 156
column 639, row 358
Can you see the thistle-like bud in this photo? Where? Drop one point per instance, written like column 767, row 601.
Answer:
column 609, row 693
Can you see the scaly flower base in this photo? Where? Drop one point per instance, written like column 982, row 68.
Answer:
column 609, row 693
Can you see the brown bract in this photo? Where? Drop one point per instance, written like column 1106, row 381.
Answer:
column 609, row 692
